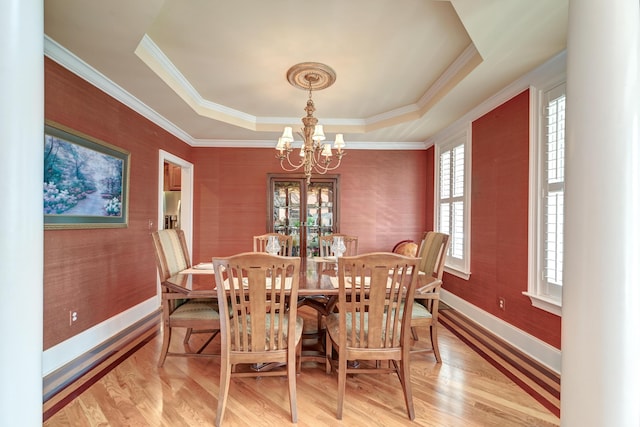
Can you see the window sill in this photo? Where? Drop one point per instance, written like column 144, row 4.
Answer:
column 458, row 273
column 550, row 305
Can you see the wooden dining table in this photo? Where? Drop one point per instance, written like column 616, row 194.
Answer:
column 315, row 279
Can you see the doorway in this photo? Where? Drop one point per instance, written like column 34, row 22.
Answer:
column 175, row 194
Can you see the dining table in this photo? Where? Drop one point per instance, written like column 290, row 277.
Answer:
column 317, row 278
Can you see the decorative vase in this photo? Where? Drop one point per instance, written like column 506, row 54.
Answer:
column 273, row 245
column 337, row 247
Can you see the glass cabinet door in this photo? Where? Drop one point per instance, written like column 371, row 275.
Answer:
column 304, row 211
column 319, row 210
column 285, row 211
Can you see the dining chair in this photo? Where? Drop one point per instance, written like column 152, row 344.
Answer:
column 350, row 242
column 406, row 248
column 325, row 242
column 259, row 321
column 286, row 243
column 432, row 254
column 370, row 324
column 197, row 315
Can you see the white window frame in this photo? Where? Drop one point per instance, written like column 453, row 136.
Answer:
column 543, row 295
column 456, row 266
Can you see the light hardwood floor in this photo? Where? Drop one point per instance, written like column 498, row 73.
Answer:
column 464, row 390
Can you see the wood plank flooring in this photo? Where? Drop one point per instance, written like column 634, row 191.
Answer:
column 538, row 380
column 464, row 390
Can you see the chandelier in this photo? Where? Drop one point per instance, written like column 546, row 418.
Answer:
column 315, row 155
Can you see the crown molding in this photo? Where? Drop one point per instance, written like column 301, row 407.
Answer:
column 68, row 60
column 552, row 70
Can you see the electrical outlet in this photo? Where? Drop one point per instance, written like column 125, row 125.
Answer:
column 73, row 317
column 501, row 303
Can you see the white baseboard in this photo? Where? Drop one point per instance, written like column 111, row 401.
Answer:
column 63, row 353
column 538, row 350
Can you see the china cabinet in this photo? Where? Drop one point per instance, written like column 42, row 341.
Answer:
column 303, row 210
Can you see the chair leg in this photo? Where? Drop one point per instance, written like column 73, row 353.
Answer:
column 434, row 342
column 223, row 392
column 328, row 352
column 187, row 335
column 166, row 339
column 405, row 380
column 320, row 318
column 342, row 382
column 414, row 333
column 299, row 357
column 291, row 377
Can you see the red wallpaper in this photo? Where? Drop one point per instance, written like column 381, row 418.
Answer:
column 382, row 197
column 499, row 222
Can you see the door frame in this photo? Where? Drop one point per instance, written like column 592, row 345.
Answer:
column 186, row 194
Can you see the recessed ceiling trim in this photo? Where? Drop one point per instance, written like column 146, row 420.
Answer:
column 57, row 53
column 465, row 62
column 158, row 62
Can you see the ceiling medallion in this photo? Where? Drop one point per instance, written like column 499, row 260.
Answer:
column 311, row 76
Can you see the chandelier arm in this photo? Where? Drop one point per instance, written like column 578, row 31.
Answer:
column 318, row 159
column 324, row 169
column 324, row 163
column 294, row 167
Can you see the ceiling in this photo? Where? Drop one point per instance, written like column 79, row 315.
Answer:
column 214, row 72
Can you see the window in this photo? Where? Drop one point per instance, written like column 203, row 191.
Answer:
column 547, row 199
column 452, row 200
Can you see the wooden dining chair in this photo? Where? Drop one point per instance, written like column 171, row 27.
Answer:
column 197, row 315
column 325, row 242
column 432, row 254
column 370, row 324
column 258, row 323
column 406, row 248
column 286, row 243
column 350, row 242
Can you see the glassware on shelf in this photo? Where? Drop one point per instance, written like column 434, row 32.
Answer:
column 337, row 246
column 273, row 245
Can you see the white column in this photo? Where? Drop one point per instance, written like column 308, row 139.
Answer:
column 601, row 292
column 21, row 240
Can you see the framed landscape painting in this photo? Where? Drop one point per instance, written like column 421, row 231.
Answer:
column 86, row 181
